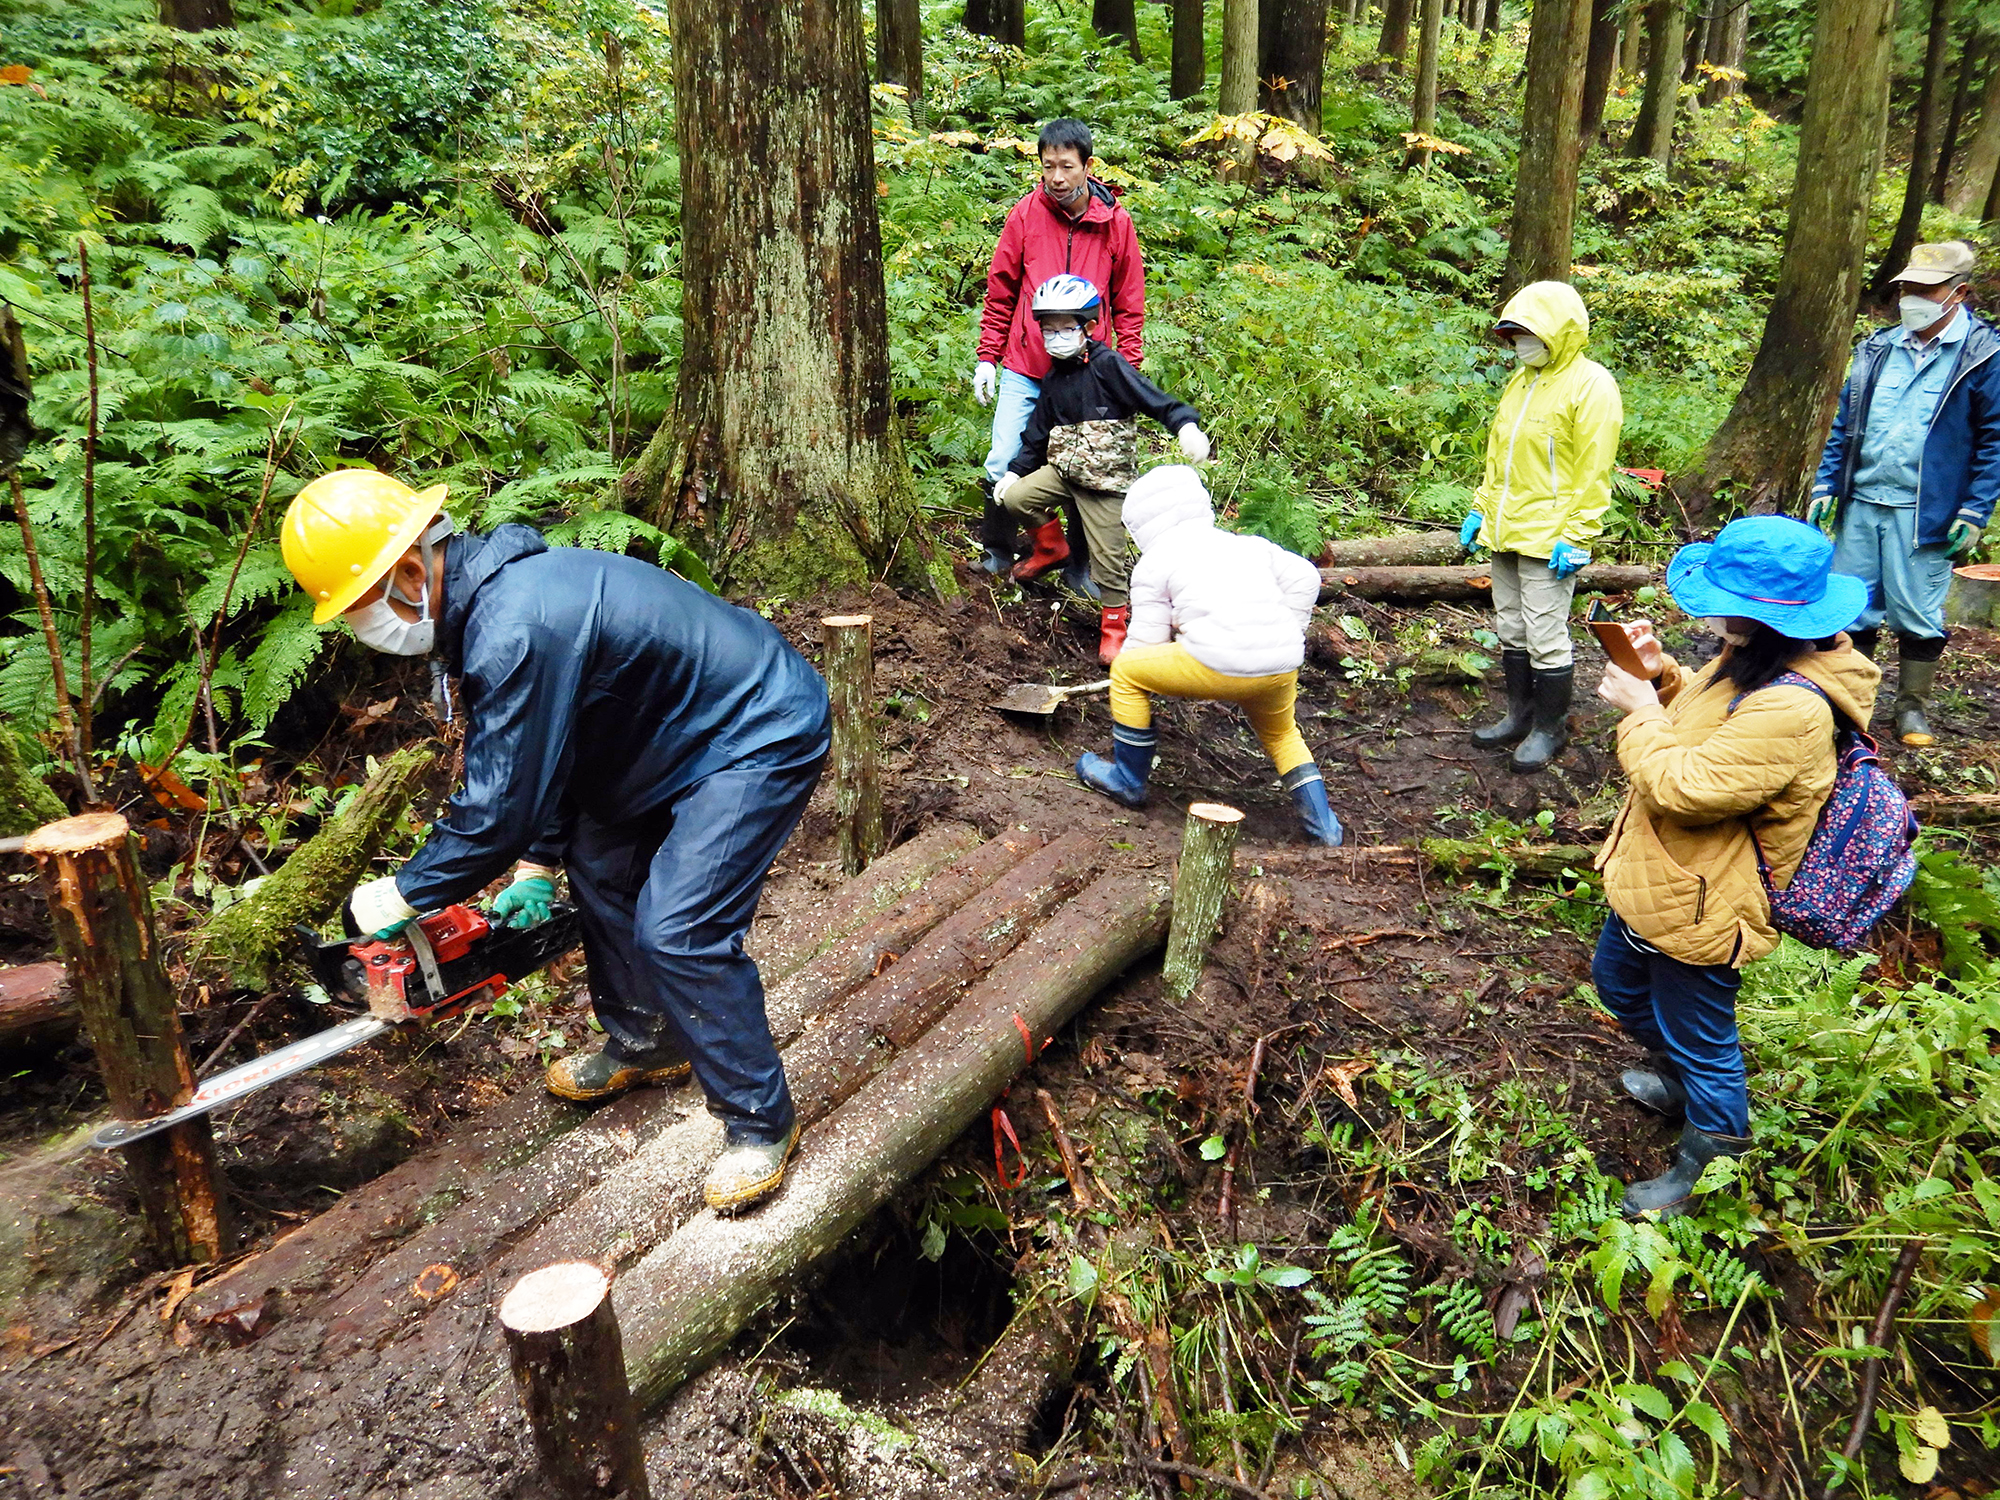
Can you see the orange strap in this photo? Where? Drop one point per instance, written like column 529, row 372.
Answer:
column 1003, row 1128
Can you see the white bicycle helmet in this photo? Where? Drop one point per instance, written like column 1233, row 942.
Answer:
column 1067, row 294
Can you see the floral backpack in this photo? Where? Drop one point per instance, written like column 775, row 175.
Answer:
column 1859, row 860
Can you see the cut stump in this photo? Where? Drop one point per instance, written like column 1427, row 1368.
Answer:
column 569, row 1366
column 1201, row 885
column 857, row 785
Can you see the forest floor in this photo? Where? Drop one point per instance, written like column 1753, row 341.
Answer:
column 855, row 1386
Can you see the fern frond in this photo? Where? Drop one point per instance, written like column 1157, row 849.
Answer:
column 291, row 644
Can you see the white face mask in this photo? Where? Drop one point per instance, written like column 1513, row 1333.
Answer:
column 1530, row 350
column 1067, row 344
column 378, row 625
column 1719, row 625
column 1918, row 313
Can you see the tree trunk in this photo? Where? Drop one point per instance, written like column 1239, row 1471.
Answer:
column 1927, row 128
column 1421, row 548
column 1768, row 444
column 25, row 804
column 781, row 456
column 1239, row 58
column 1003, row 20
column 1425, row 585
column 1544, row 226
column 1201, row 881
column 1968, row 190
column 1599, row 64
column 1961, row 95
column 1117, row 18
column 1424, row 107
column 688, row 1299
column 899, row 50
column 1728, row 54
column 1974, row 810
column 785, row 941
column 569, row 1367
column 1695, row 48
column 1190, row 66
column 1291, row 47
column 1470, row 857
column 36, row 1006
column 1653, row 129
column 1634, row 33
column 196, row 15
column 1395, row 42
column 849, row 666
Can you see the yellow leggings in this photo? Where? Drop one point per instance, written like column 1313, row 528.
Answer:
column 1171, row 672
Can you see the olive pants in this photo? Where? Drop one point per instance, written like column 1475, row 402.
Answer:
column 1039, row 497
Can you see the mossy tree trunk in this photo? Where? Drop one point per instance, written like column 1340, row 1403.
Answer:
column 196, row 15
column 1541, row 241
column 1424, row 108
column 25, row 804
column 1767, row 446
column 1600, row 62
column 781, row 459
column 1653, row 129
column 1973, row 180
column 1928, row 127
column 1291, row 59
column 1395, row 39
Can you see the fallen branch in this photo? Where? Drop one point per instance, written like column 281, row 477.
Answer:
column 1072, row 1164
column 1871, row 1368
column 1427, row 585
column 37, row 1005
column 1939, row 811
column 1403, row 549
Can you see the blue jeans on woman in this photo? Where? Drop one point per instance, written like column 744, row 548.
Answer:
column 1685, row 1013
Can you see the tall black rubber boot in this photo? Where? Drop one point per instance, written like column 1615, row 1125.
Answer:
column 1076, row 572
column 1657, row 1087
column 1513, row 726
column 1671, row 1194
column 997, row 533
column 1865, row 641
column 1550, row 733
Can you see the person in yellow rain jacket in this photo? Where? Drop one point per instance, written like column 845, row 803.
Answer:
column 1542, row 503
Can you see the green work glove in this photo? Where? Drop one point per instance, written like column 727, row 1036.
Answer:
column 1818, row 510
column 1962, row 538
column 525, row 903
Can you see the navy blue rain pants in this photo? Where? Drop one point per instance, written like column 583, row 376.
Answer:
column 666, row 900
column 1685, row 1012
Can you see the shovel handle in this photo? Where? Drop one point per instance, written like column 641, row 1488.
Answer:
column 1088, row 687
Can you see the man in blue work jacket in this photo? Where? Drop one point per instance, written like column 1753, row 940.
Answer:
column 1912, row 467
column 653, row 740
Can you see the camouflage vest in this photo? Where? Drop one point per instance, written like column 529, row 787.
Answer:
column 1097, row 455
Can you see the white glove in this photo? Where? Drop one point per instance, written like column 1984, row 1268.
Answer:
column 985, row 382
column 1194, row 444
column 379, row 906
column 1003, row 484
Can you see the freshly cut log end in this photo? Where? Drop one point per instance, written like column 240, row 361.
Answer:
column 554, row 1297
column 1214, row 812
column 569, row 1366
column 75, row 835
column 847, row 622
column 1201, row 885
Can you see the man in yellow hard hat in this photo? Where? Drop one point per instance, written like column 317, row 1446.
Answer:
column 657, row 743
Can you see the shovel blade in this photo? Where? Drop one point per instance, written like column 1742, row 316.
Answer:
column 1036, row 698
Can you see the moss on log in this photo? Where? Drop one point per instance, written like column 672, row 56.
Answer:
column 25, row 804
column 239, row 949
column 1466, row 857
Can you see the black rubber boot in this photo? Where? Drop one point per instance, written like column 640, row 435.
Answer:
column 997, row 533
column 1672, row 1193
column 1512, row 727
column 1076, row 572
column 1865, row 641
column 1657, row 1087
column 1551, row 728
column 1914, row 680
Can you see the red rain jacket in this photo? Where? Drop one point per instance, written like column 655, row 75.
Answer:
column 1040, row 241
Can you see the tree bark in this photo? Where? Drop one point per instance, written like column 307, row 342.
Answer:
column 1968, row 190
column 786, row 941
column 857, row 783
column 1201, row 886
column 196, row 15
column 103, row 918
column 1003, row 20
column 1291, row 67
column 687, row 1300
column 899, row 50
column 1600, row 62
column 25, row 803
column 569, row 1367
column 1544, row 225
column 1969, row 52
column 1424, row 106
column 1695, row 47
column 1117, row 19
column 1238, row 93
column 1773, row 435
column 1732, row 30
column 1971, row 811
column 1634, row 32
column 781, row 457
column 1425, row 585
column 1190, row 63
column 1420, row 548
column 1653, row 129
column 37, row 1006
column 1927, row 128
column 1395, row 40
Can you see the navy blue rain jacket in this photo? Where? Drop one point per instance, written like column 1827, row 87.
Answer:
column 594, row 684
column 1959, row 476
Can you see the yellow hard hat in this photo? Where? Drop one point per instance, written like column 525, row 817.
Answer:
column 346, row 529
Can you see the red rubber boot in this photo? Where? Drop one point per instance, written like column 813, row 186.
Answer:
column 1051, row 547
column 1111, row 637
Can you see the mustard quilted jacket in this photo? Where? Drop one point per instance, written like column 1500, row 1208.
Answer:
column 1680, row 866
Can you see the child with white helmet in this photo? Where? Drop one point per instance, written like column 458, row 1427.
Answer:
column 1216, row 615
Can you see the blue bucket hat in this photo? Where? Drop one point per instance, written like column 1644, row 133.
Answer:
column 1772, row 569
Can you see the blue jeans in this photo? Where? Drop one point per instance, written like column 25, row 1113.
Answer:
column 666, row 900
column 1012, row 406
column 1684, row 1012
column 1906, row 583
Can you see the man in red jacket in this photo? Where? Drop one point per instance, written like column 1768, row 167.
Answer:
column 1069, row 223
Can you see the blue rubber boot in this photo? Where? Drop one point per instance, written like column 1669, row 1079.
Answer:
column 1308, row 789
column 1123, row 778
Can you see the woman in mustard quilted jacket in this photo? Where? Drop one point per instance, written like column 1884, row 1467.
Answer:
column 1722, row 762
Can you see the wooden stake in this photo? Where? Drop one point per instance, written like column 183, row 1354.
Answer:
column 569, row 1365
column 103, row 920
column 857, row 789
column 1208, row 853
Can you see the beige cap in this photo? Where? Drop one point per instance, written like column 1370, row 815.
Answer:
column 1931, row 264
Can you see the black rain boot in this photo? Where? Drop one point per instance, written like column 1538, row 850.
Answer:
column 1551, row 732
column 997, row 533
column 1914, row 680
column 1076, row 572
column 1865, row 641
column 1514, row 725
column 1657, row 1087
column 1672, row 1193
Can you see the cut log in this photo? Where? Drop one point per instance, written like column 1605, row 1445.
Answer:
column 569, row 1366
column 103, row 917
column 37, row 1008
column 1201, row 885
column 1408, row 549
column 686, row 1301
column 857, row 784
column 1463, row 585
column 1465, row 857
column 1957, row 812
column 240, row 948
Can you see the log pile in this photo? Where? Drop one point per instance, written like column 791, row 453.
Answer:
column 1427, row 585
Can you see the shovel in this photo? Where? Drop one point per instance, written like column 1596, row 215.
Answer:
column 1040, row 699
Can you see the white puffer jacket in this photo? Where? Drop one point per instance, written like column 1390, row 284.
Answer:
column 1239, row 604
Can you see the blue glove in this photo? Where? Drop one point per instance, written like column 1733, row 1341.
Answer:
column 1818, row 510
column 1566, row 559
column 1468, row 534
column 525, row 903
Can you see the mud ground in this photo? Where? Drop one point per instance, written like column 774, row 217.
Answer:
column 861, row 1384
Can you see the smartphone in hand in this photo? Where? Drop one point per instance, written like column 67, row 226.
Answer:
column 1616, row 643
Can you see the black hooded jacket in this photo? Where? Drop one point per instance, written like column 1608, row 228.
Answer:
column 1097, row 386
column 598, row 685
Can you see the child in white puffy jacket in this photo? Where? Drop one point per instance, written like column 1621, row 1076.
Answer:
column 1215, row 615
